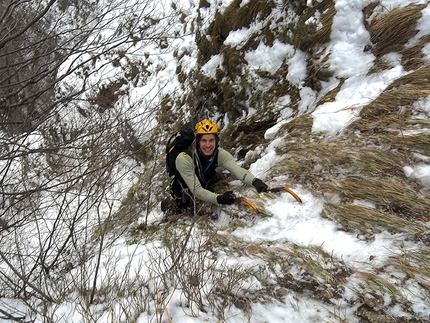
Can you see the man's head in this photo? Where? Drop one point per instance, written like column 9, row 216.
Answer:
column 206, row 137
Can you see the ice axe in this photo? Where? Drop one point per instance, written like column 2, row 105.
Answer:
column 241, row 200
column 284, row 188
column 244, row 200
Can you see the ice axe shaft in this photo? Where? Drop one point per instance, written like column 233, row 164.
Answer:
column 284, row 188
column 241, row 200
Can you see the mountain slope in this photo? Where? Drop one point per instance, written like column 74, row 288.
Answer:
column 347, row 88
column 328, row 97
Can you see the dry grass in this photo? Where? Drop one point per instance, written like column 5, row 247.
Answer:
column 316, row 261
column 377, row 162
column 390, row 31
column 321, row 161
column 380, row 65
column 369, row 221
column 415, row 264
column 418, row 143
column 319, row 269
column 319, row 71
column 388, row 195
column 308, row 35
column 376, row 286
column 233, row 62
column 313, row 258
column 330, row 96
column 320, row 274
column 311, row 164
column 234, row 17
column 390, row 101
column 247, row 135
column 237, row 16
column 417, row 81
column 413, row 57
column 280, row 87
column 299, row 127
column 391, row 110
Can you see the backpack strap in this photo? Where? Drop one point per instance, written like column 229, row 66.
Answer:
column 170, row 145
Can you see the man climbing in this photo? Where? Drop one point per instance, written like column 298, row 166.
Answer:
column 195, row 171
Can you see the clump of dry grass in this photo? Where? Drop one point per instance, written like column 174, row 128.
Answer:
column 330, row 96
column 238, row 15
column 234, row 17
column 233, row 61
column 247, row 136
column 418, row 81
column 376, row 162
column 369, row 221
column 380, row 65
column 419, row 143
column 321, row 274
column 372, row 289
column 316, row 163
column 384, row 114
column 394, row 197
column 416, row 264
column 309, row 163
column 390, row 31
column 299, row 127
column 390, row 101
column 413, row 57
column 315, row 259
column 320, row 267
column 307, row 35
column 319, row 71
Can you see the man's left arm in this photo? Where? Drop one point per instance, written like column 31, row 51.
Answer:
column 226, row 160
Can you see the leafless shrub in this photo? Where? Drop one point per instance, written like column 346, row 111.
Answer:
column 188, row 264
column 62, row 163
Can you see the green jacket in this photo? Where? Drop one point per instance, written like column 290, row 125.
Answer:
column 185, row 166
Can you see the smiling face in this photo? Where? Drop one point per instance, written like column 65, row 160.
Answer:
column 207, row 144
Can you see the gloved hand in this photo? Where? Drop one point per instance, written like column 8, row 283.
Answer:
column 226, row 198
column 259, row 185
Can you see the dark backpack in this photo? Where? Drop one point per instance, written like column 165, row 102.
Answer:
column 177, row 143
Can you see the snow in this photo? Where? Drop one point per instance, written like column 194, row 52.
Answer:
column 301, row 224
column 420, row 172
column 269, row 58
column 348, row 39
column 332, row 117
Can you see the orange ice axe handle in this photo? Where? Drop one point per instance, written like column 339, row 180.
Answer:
column 241, row 200
column 284, row 188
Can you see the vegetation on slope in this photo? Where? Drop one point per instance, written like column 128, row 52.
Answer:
column 362, row 164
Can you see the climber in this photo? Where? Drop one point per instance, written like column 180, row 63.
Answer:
column 193, row 172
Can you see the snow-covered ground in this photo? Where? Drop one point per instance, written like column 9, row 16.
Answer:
column 301, row 224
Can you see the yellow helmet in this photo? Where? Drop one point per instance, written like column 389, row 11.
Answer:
column 206, row 127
